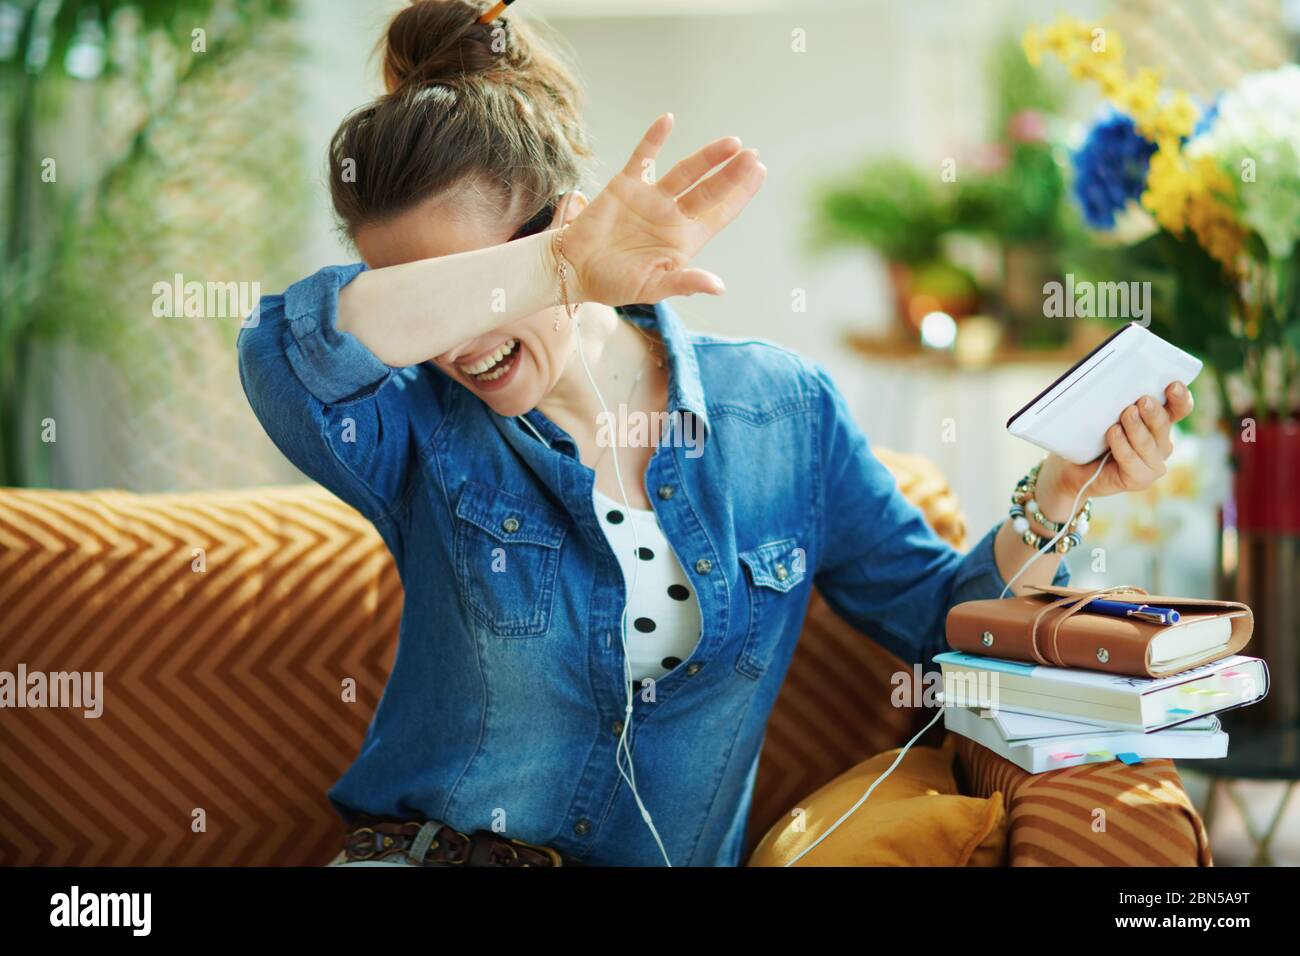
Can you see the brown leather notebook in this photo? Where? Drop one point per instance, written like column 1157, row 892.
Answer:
column 1054, row 627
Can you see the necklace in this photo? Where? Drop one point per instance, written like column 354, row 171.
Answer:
column 653, row 352
column 654, row 346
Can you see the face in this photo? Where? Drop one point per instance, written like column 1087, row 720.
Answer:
column 511, row 368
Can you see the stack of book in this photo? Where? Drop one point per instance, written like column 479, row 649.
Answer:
column 1062, row 677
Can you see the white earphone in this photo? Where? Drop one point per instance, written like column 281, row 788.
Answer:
column 623, row 747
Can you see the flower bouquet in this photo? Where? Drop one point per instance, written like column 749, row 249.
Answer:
column 1203, row 200
column 1218, row 187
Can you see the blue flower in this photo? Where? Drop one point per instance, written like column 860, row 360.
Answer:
column 1207, row 118
column 1110, row 169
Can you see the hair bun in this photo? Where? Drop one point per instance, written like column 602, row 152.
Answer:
column 434, row 41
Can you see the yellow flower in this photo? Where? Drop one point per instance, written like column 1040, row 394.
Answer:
column 1144, row 533
column 1112, row 79
column 1181, row 482
column 1110, row 47
column 1032, row 42
column 1194, row 195
column 1178, row 118
column 1180, row 194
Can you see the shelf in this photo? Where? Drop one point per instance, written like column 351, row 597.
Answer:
column 898, row 348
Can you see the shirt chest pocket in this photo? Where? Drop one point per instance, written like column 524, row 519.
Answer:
column 507, row 553
column 774, row 572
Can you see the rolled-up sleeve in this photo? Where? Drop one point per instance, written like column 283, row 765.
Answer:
column 333, row 365
column 336, row 411
column 881, row 566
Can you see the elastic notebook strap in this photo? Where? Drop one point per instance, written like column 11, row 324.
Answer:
column 1078, row 602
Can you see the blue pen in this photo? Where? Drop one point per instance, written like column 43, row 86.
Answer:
column 1144, row 612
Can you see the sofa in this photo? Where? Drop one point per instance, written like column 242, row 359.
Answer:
column 245, row 637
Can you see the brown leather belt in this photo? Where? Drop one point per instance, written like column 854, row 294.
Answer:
column 433, row 843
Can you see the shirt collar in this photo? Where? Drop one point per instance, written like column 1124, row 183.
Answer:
column 685, row 389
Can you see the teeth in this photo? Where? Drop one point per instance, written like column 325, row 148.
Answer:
column 485, row 363
column 493, row 376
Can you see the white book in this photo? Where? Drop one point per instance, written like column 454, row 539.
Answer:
column 1094, row 697
column 1039, row 755
column 1015, row 727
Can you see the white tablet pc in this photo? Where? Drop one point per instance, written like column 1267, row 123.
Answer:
column 1070, row 416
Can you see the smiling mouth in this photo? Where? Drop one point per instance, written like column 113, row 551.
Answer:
column 492, row 367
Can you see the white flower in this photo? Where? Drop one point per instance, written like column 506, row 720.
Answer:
column 1256, row 138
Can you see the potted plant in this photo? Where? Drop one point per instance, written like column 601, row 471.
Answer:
column 890, row 206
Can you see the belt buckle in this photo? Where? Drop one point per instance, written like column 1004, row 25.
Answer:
column 371, row 849
column 549, row 852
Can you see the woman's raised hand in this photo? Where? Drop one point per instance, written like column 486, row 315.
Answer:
column 634, row 242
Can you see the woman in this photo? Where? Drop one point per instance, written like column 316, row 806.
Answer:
column 573, row 602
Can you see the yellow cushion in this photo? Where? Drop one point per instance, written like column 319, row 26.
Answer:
column 916, row 817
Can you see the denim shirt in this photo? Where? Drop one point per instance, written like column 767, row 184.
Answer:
column 504, row 703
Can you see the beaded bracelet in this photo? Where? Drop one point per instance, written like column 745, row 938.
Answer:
column 1023, row 506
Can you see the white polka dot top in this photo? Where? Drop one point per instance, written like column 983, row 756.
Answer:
column 663, row 614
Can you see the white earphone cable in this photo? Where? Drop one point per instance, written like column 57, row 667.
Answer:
column 899, row 759
column 875, row 783
column 624, row 747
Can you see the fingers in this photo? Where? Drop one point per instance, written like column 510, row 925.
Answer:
column 683, row 175
column 648, row 149
column 735, row 201
column 1132, row 471
column 1180, row 401
column 688, row 282
column 707, row 193
column 1158, row 422
column 716, row 201
column 1135, row 451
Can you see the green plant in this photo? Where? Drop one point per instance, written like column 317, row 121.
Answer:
column 1023, row 201
column 136, row 52
column 888, row 206
column 893, row 207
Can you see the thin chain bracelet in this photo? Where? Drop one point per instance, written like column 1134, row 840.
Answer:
column 562, row 269
column 1024, row 506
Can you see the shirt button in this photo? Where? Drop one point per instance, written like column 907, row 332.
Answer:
column 665, row 492
column 781, row 572
column 704, row 566
column 617, row 728
column 693, row 669
column 582, row 827
column 510, row 525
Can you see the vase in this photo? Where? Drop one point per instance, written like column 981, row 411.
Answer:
column 1261, row 566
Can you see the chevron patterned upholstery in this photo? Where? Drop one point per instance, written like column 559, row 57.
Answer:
column 223, row 686
column 244, row 638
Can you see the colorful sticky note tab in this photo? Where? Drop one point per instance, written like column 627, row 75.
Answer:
column 1065, row 756
column 1128, row 758
column 1102, row 754
column 1179, row 711
column 1231, row 674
